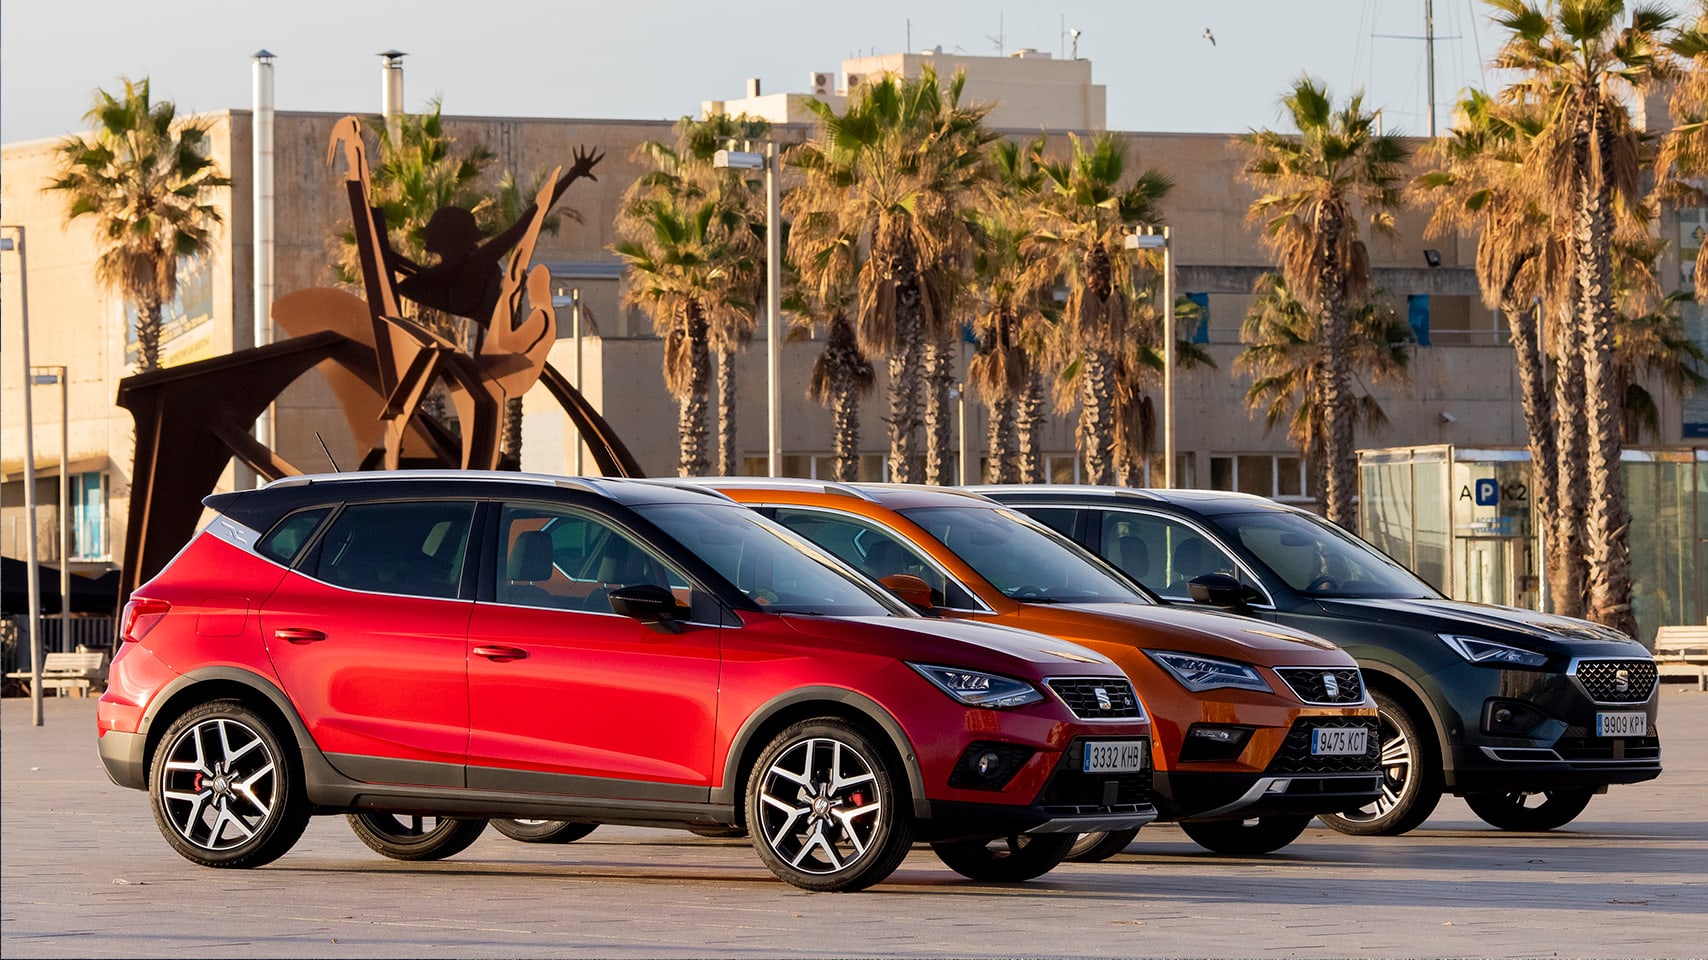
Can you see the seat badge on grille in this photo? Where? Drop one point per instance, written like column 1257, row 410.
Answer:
column 1622, row 680
column 1331, row 686
column 1103, row 701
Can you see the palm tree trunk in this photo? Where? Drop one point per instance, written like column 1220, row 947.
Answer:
column 1029, row 430
column 939, row 436
column 1004, row 465
column 692, row 429
column 1608, row 522
column 1525, row 323
column 1572, row 453
column 898, row 259
column 1097, row 414
column 845, row 425
column 1336, row 393
column 510, row 444
column 728, row 465
column 148, row 336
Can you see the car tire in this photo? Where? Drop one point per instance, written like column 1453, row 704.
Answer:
column 1512, row 811
column 403, row 836
column 1009, row 859
column 542, row 831
column 828, row 807
column 1245, row 838
column 1411, row 777
column 224, row 791
column 1098, row 847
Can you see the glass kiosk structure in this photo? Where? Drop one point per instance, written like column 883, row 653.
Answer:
column 1460, row 518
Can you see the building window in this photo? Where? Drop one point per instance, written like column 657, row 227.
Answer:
column 1278, row 476
column 816, row 466
column 89, row 512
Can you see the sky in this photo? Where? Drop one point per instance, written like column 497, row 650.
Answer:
column 653, row 59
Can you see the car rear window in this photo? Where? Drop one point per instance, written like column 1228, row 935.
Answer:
column 414, row 549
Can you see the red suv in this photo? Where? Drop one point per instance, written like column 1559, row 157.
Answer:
column 423, row 651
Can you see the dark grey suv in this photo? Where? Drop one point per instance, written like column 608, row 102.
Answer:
column 1526, row 715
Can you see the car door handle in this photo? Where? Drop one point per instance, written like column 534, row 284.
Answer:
column 501, row 654
column 298, row 634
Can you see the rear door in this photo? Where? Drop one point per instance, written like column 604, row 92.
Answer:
column 368, row 636
column 566, row 696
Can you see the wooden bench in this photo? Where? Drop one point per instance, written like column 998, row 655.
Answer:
column 1683, row 652
column 79, row 671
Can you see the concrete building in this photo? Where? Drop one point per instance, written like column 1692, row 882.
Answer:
column 1463, row 389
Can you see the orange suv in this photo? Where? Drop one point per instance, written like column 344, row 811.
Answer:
column 1257, row 727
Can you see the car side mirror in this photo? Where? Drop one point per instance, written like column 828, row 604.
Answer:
column 1217, row 590
column 911, row 589
column 652, row 605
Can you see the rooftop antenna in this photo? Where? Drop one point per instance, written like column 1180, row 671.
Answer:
column 326, row 450
column 998, row 39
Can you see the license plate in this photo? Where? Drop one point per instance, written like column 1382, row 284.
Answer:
column 1339, row 741
column 1116, row 756
column 1621, row 724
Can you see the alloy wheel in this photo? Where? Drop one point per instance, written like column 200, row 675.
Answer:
column 819, row 806
column 220, row 784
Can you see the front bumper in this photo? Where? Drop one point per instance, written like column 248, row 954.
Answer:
column 1295, row 781
column 1562, row 750
column 1070, row 801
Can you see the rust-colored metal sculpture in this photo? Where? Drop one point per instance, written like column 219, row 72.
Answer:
column 381, row 365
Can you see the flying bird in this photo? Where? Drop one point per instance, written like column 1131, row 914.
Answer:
column 1209, row 36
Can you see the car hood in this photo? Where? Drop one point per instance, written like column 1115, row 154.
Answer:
column 1207, row 632
column 961, row 643
column 1508, row 624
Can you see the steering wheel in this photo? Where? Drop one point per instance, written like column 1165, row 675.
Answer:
column 1321, row 583
column 1028, row 591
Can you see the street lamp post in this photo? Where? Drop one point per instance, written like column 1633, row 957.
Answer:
column 1149, row 240
column 39, row 376
column 745, row 160
column 32, row 554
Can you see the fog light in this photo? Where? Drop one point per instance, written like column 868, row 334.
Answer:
column 1511, row 718
column 1279, row 786
column 988, row 765
column 1209, row 742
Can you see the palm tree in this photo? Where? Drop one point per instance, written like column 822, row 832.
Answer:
column 880, row 210
column 1683, row 161
column 1575, row 61
column 1482, row 186
column 1316, row 186
column 145, row 178
column 1085, row 209
column 688, row 273
column 1286, row 357
column 1009, row 324
column 684, row 171
column 842, row 376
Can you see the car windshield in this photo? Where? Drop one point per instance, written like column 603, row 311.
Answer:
column 1319, row 559
column 773, row 567
column 1023, row 559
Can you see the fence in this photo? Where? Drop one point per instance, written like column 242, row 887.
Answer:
column 95, row 633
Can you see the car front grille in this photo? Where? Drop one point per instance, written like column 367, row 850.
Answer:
column 1070, row 790
column 1325, row 686
column 1617, row 681
column 1295, row 753
column 1097, row 698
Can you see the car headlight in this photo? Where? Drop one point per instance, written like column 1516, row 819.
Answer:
column 1198, row 674
column 976, row 688
column 1491, row 653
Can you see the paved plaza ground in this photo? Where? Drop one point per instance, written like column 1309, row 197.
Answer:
column 83, row 872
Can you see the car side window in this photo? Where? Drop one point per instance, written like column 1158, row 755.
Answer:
column 1161, row 553
column 564, row 559
column 1059, row 519
column 414, row 549
column 287, row 537
column 875, row 552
